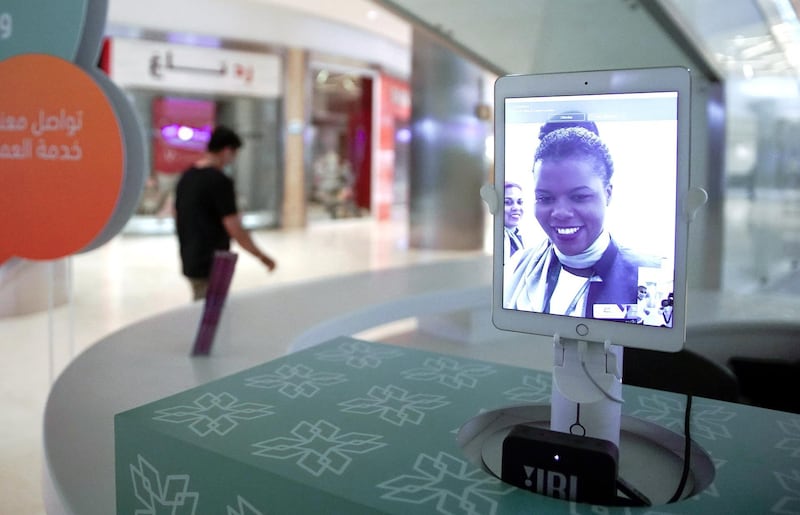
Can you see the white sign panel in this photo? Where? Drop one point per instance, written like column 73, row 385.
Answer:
column 167, row 66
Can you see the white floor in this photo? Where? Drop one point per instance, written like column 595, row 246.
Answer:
column 131, row 278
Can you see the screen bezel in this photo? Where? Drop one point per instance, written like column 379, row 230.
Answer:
column 673, row 79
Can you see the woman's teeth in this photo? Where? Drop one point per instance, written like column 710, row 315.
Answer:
column 566, row 231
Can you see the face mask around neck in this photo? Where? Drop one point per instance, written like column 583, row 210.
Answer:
column 588, row 257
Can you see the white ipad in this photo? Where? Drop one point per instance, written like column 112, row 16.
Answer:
column 591, row 243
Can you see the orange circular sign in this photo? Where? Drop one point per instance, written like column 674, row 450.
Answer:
column 61, row 158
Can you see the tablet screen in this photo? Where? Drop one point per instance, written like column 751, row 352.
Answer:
column 590, row 236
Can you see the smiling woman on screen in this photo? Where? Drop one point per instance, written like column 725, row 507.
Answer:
column 579, row 270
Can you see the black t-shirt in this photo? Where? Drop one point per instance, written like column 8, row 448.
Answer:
column 203, row 197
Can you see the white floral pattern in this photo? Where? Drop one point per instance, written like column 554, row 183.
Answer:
column 450, row 373
column 535, row 389
column 156, row 496
column 791, row 443
column 319, row 448
column 295, row 381
column 243, row 508
column 394, row 405
column 789, row 504
column 451, row 484
column 213, row 413
column 708, row 420
column 356, row 354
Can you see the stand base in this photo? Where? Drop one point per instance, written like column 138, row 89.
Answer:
column 650, row 457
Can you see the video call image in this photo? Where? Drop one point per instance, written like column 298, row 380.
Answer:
column 590, row 206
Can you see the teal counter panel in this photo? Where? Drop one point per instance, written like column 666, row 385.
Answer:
column 358, row 427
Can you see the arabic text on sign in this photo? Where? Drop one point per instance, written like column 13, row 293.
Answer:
column 57, row 122
column 22, row 150
column 43, row 150
column 11, row 123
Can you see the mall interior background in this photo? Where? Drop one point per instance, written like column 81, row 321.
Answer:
column 368, row 85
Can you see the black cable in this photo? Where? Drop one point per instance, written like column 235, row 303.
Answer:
column 687, row 450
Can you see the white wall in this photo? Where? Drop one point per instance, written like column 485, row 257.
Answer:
column 263, row 23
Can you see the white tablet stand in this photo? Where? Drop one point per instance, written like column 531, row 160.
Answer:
column 587, row 376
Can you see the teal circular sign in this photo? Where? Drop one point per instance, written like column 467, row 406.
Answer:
column 54, row 27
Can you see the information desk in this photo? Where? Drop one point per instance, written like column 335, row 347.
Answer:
column 356, row 427
column 150, row 360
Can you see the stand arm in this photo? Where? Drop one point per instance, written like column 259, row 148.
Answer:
column 587, row 388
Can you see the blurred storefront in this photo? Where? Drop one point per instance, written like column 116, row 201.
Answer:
column 357, row 157
column 355, row 132
column 180, row 92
